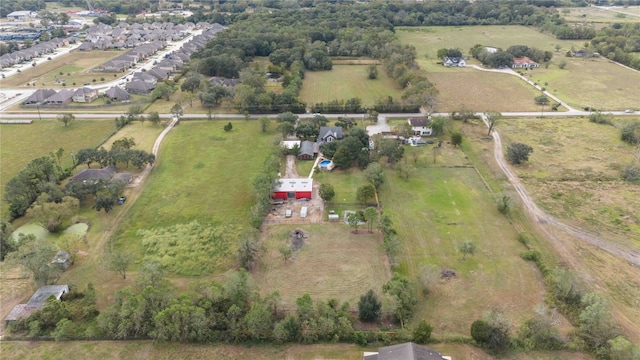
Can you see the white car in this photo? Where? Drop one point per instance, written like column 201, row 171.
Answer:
column 629, row 111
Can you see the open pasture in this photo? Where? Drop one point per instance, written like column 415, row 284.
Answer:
column 333, row 263
column 595, row 83
column 574, row 173
column 74, row 66
column 144, row 134
column 428, row 40
column 204, row 174
column 344, row 82
column 25, row 142
column 595, row 15
column 438, row 209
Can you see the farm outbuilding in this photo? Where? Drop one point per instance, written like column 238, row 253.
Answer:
column 293, row 189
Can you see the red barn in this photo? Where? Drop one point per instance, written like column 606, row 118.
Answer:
column 293, row 189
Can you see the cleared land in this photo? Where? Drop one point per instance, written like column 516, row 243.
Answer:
column 596, row 16
column 144, row 134
column 344, row 82
column 74, row 66
column 23, row 143
column 150, row 350
column 333, row 263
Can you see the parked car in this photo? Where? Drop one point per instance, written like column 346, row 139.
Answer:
column 288, row 213
column 121, row 200
column 629, row 111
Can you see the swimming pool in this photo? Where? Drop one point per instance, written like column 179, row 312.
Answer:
column 325, row 162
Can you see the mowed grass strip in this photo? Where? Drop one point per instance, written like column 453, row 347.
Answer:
column 333, row 263
column 204, row 174
column 25, row 142
column 144, row 134
column 344, row 82
column 76, row 64
column 437, row 210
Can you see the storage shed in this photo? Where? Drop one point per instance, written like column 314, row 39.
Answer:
column 293, row 189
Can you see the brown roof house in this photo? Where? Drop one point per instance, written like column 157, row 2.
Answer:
column 39, row 96
column 62, row 97
column 117, row 94
column 406, row 351
column 85, row 94
column 139, row 87
column 421, row 126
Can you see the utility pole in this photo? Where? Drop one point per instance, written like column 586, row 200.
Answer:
column 38, row 106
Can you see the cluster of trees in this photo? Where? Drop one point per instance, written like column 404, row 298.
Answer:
column 38, row 176
column 354, row 148
column 619, row 42
column 7, row 7
column 532, row 53
column 502, row 58
column 119, row 153
column 351, row 106
column 262, row 189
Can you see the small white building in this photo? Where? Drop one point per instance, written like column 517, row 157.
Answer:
column 21, row 15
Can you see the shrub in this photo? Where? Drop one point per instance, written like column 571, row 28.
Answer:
column 369, row 307
column 630, row 132
column 480, row 331
column 631, row 172
column 422, row 333
column 600, row 118
column 504, row 204
column 523, row 239
column 531, row 255
column 518, row 153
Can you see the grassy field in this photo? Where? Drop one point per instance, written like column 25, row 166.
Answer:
column 584, row 81
column 144, row 134
column 75, row 68
column 162, row 351
column 594, row 15
column 23, row 143
column 574, row 173
column 344, row 82
column 204, row 174
column 334, row 263
column 428, row 40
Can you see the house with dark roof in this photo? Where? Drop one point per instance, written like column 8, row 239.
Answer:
column 308, row 150
column 62, row 97
column 454, row 62
column 139, row 87
column 85, row 94
column 406, row 351
column 37, row 301
column 158, row 73
column 420, row 126
column 95, row 175
column 329, row 134
column 143, row 76
column 39, row 96
column 117, row 94
column 215, row 80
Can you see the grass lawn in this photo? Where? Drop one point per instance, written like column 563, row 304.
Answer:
column 345, row 183
column 23, row 143
column 596, row 15
column 144, row 134
column 204, row 174
column 334, row 263
column 74, row 66
column 344, row 82
column 303, row 167
column 591, row 82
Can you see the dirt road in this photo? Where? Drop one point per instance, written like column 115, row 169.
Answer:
column 548, row 223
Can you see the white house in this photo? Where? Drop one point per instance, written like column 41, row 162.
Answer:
column 454, row 61
column 421, row 126
column 21, row 15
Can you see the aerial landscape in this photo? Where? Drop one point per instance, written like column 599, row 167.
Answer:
column 320, row 179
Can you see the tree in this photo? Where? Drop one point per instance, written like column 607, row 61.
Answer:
column 286, row 252
column 492, row 332
column 248, row 251
column 287, row 117
column 181, row 322
column 66, row 119
column 518, row 153
column 354, row 219
column 369, row 307
column 341, row 158
column 622, row 349
column 372, row 71
column 177, row 111
column 7, row 244
column 52, row 215
column 365, row 193
column 188, row 98
column 392, row 149
column 456, row 138
column 327, row 193
column 228, row 127
column 264, row 123
column 467, row 247
column 374, row 173
column 123, row 144
column 34, row 256
column 191, row 83
column 371, row 217
column 118, row 261
column 538, row 332
column 437, row 125
column 402, row 293
column 542, row 100
column 259, row 321
column 405, row 171
column 595, row 322
column 162, row 90
column 154, row 117
column 422, row 332
column 286, row 129
column 492, row 118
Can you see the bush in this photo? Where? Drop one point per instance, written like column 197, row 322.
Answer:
column 369, row 307
column 600, row 118
column 422, row 333
column 531, row 255
column 630, row 132
column 518, row 153
column 631, row 172
column 504, row 204
column 480, row 331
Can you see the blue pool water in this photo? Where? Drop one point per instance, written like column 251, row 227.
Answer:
column 325, row 162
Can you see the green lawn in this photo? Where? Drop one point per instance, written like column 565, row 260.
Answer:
column 594, row 15
column 344, row 82
column 23, row 143
column 204, row 174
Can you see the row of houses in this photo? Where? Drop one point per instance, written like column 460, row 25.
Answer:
column 34, row 51
column 50, row 97
column 131, row 57
column 518, row 63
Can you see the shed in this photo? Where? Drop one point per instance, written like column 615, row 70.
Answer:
column 303, row 212
column 62, row 259
column 293, row 189
column 308, row 150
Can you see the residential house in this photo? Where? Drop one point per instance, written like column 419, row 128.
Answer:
column 107, row 174
column 36, row 302
column 117, row 94
column 139, row 87
column 115, row 65
column 85, row 94
column 524, row 63
column 39, row 96
column 224, row 82
column 308, row 150
column 144, row 76
column 21, row 15
column 454, row 61
column 406, row 351
column 420, row 126
column 158, row 73
column 329, row 134
column 62, row 97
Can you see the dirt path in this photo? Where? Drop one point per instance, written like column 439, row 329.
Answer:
column 547, row 223
column 291, row 172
